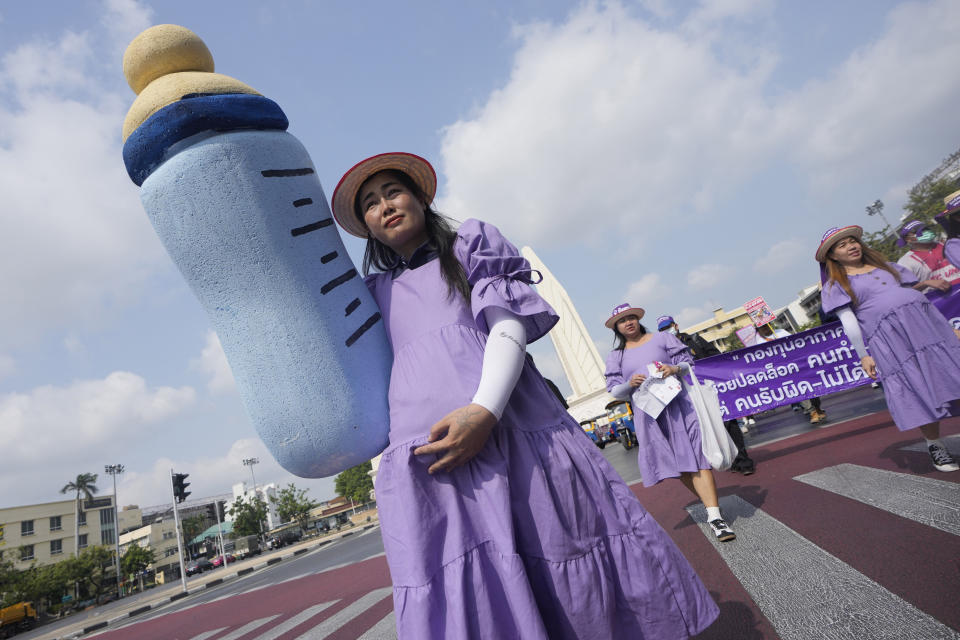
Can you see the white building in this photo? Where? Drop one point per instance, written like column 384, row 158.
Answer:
column 267, row 493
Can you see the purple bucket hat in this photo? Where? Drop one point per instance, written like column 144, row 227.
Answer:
column 912, row 226
column 622, row 310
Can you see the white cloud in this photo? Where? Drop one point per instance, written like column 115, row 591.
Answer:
column 213, row 362
column 605, row 117
column 52, row 424
column 597, row 123
column 886, row 105
column 648, row 288
column 74, row 240
column 694, row 315
column 781, row 255
column 212, row 473
column 8, row 366
column 709, row 275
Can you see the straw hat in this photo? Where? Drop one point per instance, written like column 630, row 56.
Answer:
column 620, row 311
column 345, row 195
column 835, row 235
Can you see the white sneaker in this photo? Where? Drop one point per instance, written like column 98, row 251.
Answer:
column 751, row 421
column 942, row 460
column 722, row 530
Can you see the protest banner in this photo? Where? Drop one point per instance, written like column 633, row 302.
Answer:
column 810, row 364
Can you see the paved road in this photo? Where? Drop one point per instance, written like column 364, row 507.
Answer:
column 844, row 532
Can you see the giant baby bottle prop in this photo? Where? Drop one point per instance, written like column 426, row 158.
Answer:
column 238, row 206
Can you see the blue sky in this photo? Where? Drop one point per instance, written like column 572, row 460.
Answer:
column 679, row 156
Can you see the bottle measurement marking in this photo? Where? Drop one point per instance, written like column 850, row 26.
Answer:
column 352, row 306
column 302, row 202
column 328, row 257
column 339, row 280
column 286, row 173
column 372, row 320
column 313, row 226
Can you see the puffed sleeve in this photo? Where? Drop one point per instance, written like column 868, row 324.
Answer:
column 677, row 351
column 906, row 276
column 500, row 277
column 951, row 250
column 833, row 297
column 614, row 369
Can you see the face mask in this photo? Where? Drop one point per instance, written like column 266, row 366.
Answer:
column 926, row 237
column 672, row 331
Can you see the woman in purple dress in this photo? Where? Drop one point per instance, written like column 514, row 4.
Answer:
column 669, row 445
column 500, row 519
column 913, row 350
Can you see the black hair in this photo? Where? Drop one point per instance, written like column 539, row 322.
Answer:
column 620, row 341
column 440, row 235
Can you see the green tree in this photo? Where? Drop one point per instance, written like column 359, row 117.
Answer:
column 293, row 504
column 192, row 527
column 135, row 560
column 85, row 484
column 248, row 516
column 89, row 569
column 731, row 342
column 355, row 483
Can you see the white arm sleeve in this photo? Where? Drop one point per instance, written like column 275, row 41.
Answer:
column 852, row 328
column 502, row 360
column 622, row 391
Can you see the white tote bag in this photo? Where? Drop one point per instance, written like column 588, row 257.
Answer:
column 717, row 446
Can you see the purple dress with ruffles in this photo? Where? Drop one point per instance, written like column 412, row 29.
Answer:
column 536, row 537
column 670, row 444
column 916, row 351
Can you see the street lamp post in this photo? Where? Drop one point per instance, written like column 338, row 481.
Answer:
column 249, row 462
column 114, row 470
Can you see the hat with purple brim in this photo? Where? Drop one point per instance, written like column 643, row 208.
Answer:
column 663, row 322
column 835, row 235
column 914, row 226
column 622, row 311
column 345, row 195
column 952, row 204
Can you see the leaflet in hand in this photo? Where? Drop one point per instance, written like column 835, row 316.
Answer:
column 655, row 393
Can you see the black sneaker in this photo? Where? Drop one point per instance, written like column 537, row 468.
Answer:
column 722, row 530
column 942, row 460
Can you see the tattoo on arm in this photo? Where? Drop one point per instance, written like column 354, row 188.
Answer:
column 504, row 334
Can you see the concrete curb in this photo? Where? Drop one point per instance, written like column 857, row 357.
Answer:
column 212, row 583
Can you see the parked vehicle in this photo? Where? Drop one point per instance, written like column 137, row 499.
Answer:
column 218, row 560
column 620, row 415
column 198, row 566
column 283, row 539
column 246, row 546
column 594, row 432
column 19, row 617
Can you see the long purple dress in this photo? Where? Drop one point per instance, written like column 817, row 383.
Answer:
column 537, row 536
column 670, row 444
column 916, row 351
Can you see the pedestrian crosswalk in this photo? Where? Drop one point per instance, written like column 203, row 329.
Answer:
column 935, row 503
column 805, row 592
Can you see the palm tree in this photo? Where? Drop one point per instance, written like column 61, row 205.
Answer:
column 85, row 484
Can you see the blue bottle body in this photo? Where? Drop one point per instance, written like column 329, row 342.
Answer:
column 243, row 216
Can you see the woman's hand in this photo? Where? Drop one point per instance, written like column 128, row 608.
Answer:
column 458, row 437
column 956, row 332
column 637, row 379
column 668, row 369
column 936, row 283
column 867, row 364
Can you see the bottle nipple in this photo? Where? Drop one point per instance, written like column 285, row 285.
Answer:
column 164, row 49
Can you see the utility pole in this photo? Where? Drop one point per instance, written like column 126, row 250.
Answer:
column 176, row 487
column 216, row 510
column 249, row 462
column 114, row 469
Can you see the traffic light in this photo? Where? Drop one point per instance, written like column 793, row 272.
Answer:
column 180, row 486
column 215, row 510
